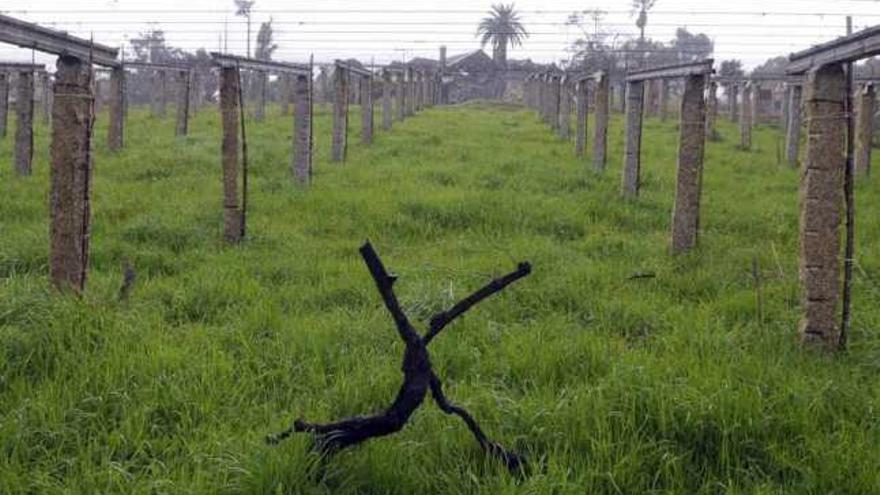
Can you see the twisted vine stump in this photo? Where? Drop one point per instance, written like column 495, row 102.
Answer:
column 600, row 132
column 633, row 145
column 865, row 128
column 4, row 103
column 821, row 212
column 24, row 129
column 70, row 193
column 793, row 131
column 116, row 128
column 419, row 377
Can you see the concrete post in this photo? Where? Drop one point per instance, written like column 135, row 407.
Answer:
column 793, row 132
column 340, row 115
column 745, row 120
column 162, row 93
column 732, row 100
column 260, row 110
column 24, row 130
column 4, row 103
column 600, row 136
column 400, row 96
column 786, row 107
column 622, row 102
column 555, row 95
column 46, row 96
column 821, row 204
column 564, row 109
column 387, row 120
column 410, row 92
column 116, row 129
column 230, row 116
column 757, row 110
column 581, row 95
column 865, row 128
column 633, row 146
column 692, row 139
column 367, row 110
column 285, row 93
column 712, row 110
column 71, row 174
column 302, row 129
column 664, row 100
column 183, row 92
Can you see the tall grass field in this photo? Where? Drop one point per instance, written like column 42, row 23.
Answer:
column 615, row 367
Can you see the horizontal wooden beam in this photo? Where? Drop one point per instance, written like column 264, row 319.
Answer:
column 703, row 67
column 28, row 35
column 21, row 67
column 157, row 67
column 864, row 44
column 226, row 60
column 353, row 69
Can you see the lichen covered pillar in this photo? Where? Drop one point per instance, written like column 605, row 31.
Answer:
column 183, row 95
column 821, row 198
column 793, row 132
column 689, row 179
column 71, row 174
column 302, row 129
column 745, row 119
column 340, row 115
column 600, row 131
column 116, row 128
column 230, row 116
column 581, row 97
column 865, row 128
column 635, row 91
column 24, row 128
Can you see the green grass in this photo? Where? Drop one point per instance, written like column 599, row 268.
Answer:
column 609, row 385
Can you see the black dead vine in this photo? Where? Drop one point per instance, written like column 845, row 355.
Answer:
column 418, row 375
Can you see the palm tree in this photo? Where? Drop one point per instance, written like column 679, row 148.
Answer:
column 642, row 7
column 502, row 28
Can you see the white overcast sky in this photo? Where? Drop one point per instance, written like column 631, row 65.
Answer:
column 750, row 30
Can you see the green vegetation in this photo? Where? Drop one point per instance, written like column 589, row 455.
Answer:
column 665, row 385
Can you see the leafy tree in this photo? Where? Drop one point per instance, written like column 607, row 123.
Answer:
column 731, row 68
column 265, row 46
column 502, row 28
column 642, row 7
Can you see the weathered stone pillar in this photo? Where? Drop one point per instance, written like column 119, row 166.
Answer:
column 116, row 128
column 635, row 92
column 340, row 115
column 582, row 95
column 564, row 109
column 865, row 128
column 600, row 133
column 732, row 100
column 664, row 99
column 302, row 129
column 24, row 129
column 260, row 110
column 745, row 119
column 821, row 205
column 4, row 103
column 689, row 181
column 71, row 175
column 230, row 115
column 793, row 132
column 183, row 91
column 367, row 110
column 387, row 120
column 712, row 110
